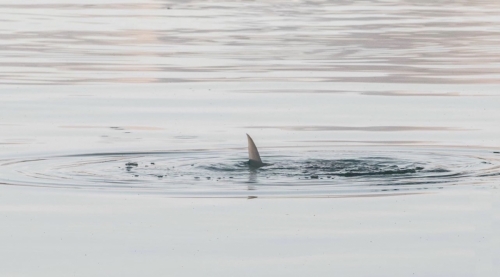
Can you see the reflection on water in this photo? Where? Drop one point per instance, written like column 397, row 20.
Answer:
column 344, row 98
column 351, row 128
column 174, row 82
column 178, row 41
column 104, row 101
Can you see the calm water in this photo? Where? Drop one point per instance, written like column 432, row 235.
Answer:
column 123, row 147
column 342, row 97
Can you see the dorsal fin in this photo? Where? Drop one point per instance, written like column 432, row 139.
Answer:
column 253, row 153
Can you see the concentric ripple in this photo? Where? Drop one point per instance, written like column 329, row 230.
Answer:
column 224, row 173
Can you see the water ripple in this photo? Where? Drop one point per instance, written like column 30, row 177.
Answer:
column 347, row 172
column 195, row 41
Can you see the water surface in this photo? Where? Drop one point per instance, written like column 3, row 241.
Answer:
column 180, row 83
column 123, row 146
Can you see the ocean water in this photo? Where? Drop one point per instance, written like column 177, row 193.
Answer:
column 352, row 104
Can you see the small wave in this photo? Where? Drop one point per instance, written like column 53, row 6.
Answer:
column 221, row 173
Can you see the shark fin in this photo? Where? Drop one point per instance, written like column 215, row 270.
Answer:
column 253, row 153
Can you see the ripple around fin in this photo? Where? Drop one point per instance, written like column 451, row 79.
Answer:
column 194, row 173
column 254, row 159
column 255, row 164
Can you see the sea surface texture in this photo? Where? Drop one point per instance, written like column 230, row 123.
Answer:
column 348, row 97
column 358, row 100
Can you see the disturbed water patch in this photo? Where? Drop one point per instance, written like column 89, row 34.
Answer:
column 223, row 173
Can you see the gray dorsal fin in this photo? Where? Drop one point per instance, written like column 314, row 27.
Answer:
column 253, row 153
